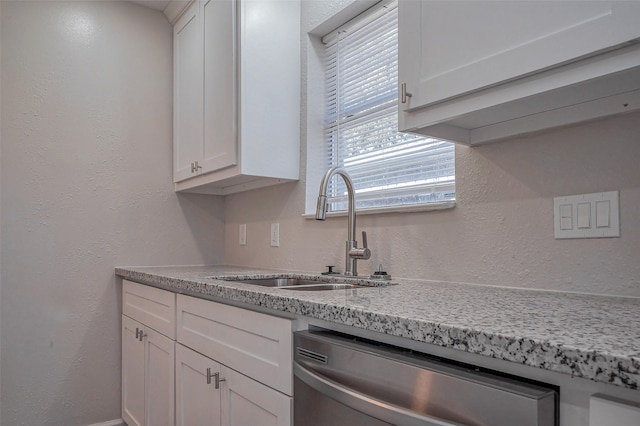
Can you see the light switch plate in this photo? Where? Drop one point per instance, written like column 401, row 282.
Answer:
column 587, row 216
column 243, row 234
column 275, row 235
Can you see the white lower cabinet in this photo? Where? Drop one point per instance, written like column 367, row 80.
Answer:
column 247, row 402
column 605, row 411
column 209, row 393
column 193, row 362
column 233, row 365
column 133, row 371
column 255, row 344
column 197, row 399
column 148, row 355
column 147, row 375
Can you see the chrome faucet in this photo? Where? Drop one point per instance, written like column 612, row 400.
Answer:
column 352, row 252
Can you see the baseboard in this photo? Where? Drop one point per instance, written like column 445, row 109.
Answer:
column 116, row 422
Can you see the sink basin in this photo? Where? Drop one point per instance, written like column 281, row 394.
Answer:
column 324, row 286
column 297, row 284
column 277, row 282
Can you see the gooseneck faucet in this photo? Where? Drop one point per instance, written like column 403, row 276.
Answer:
column 352, row 252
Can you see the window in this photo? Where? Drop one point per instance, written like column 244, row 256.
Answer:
column 388, row 168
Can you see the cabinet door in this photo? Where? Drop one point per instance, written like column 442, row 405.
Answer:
column 450, row 48
column 159, row 378
column 197, row 402
column 187, row 93
column 247, row 402
column 256, row 344
column 605, row 410
column 220, row 109
column 132, row 373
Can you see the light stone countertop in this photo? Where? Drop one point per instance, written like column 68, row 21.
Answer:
column 589, row 336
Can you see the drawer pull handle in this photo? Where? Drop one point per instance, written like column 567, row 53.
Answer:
column 195, row 167
column 404, row 94
column 216, row 378
column 140, row 334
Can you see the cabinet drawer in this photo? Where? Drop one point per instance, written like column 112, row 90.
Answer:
column 255, row 344
column 151, row 306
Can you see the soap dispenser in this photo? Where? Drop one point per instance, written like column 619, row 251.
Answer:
column 380, row 274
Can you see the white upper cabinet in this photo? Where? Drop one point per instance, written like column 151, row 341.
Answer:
column 479, row 71
column 219, row 150
column 187, row 93
column 236, row 94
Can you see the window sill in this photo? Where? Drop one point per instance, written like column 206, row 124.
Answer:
column 395, row 209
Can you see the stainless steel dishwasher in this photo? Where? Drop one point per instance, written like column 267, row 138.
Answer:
column 343, row 380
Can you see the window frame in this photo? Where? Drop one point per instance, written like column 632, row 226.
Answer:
column 315, row 146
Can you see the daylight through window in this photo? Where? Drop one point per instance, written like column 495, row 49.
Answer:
column 388, row 168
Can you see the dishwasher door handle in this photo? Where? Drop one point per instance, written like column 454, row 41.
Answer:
column 366, row 404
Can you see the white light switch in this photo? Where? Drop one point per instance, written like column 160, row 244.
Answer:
column 587, row 216
column 603, row 214
column 566, row 216
column 584, row 215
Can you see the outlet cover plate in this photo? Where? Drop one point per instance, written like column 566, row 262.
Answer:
column 275, row 235
column 243, row 234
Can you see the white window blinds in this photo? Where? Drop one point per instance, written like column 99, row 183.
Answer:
column 388, row 168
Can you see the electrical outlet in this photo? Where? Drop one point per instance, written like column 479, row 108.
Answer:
column 243, row 234
column 275, row 235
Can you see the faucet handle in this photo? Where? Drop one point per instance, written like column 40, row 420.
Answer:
column 330, row 271
column 361, row 253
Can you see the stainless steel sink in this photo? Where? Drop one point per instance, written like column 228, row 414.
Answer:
column 277, row 282
column 297, row 284
column 325, row 286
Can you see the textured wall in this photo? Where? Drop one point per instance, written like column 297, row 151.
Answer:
column 500, row 233
column 86, row 185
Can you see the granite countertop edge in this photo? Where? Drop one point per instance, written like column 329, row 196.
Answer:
column 376, row 309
